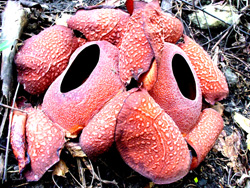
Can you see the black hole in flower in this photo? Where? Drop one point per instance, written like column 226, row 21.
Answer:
column 184, row 77
column 81, row 68
column 133, row 84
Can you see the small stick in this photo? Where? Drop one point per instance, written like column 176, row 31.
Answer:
column 8, row 137
column 55, row 182
column 88, row 164
column 218, row 36
column 81, row 172
column 3, row 121
column 239, row 72
column 10, row 107
column 247, row 65
column 76, row 151
column 99, row 175
column 217, row 43
column 75, row 179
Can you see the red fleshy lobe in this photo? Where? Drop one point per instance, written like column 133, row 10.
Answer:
column 135, row 51
column 213, row 83
column 130, row 6
column 18, row 139
column 100, row 24
column 149, row 140
column 147, row 30
column 44, row 139
column 205, row 133
column 43, row 57
column 98, row 136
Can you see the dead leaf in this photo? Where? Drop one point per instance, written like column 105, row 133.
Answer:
column 70, row 135
column 75, row 149
column 229, row 146
column 150, row 185
column 60, row 169
column 219, row 108
column 242, row 121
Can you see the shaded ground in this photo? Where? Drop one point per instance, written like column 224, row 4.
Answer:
column 227, row 165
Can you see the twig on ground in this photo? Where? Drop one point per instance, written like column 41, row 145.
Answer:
column 88, row 164
column 239, row 72
column 5, row 115
column 76, row 151
column 76, row 179
column 81, row 172
column 98, row 172
column 218, row 36
column 53, row 179
column 235, row 47
column 218, row 42
column 8, row 137
column 22, row 185
column 10, row 107
column 232, row 55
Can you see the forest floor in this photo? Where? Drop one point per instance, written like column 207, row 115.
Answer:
column 226, row 165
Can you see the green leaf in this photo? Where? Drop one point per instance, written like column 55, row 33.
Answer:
column 196, row 180
column 4, row 45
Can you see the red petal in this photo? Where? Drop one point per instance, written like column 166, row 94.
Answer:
column 160, row 27
column 18, row 139
column 213, row 83
column 130, row 6
column 43, row 57
column 98, row 136
column 135, row 52
column 45, row 140
column 147, row 29
column 149, row 78
column 204, row 134
column 100, row 24
column 149, row 141
column 173, row 28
